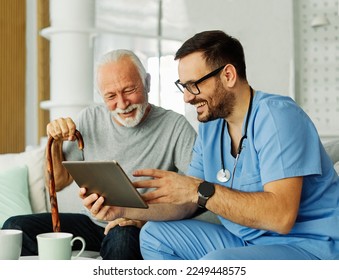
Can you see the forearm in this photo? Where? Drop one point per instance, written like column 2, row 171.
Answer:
column 161, row 212
column 247, row 209
column 274, row 209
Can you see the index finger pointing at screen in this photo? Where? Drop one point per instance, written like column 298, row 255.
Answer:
column 155, row 173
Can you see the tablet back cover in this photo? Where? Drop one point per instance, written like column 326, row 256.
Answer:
column 106, row 178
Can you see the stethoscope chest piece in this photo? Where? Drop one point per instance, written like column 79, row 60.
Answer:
column 223, row 175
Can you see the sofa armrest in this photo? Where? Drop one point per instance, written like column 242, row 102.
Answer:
column 332, row 149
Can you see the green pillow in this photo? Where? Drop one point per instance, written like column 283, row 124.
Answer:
column 14, row 199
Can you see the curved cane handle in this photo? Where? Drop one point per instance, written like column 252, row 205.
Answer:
column 51, row 181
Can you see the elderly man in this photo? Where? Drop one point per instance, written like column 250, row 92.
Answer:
column 127, row 128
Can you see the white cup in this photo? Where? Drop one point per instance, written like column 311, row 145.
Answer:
column 57, row 245
column 10, row 244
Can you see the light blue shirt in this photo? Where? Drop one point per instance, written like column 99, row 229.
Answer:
column 281, row 142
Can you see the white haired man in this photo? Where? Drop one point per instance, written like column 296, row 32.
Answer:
column 126, row 128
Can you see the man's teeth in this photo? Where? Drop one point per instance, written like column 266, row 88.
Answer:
column 128, row 111
column 200, row 104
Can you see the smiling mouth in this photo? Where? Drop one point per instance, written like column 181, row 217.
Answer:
column 127, row 114
column 200, row 104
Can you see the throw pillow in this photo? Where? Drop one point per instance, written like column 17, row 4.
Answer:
column 34, row 160
column 332, row 148
column 14, row 198
column 336, row 167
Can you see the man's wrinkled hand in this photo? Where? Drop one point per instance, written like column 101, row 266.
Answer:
column 122, row 222
column 95, row 205
column 62, row 129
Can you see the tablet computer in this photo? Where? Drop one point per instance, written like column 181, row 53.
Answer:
column 107, row 179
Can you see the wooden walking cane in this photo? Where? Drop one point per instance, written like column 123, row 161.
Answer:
column 52, row 192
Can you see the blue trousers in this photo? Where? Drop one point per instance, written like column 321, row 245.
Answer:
column 121, row 243
column 193, row 240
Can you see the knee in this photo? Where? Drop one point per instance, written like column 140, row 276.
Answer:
column 152, row 234
column 146, row 231
column 14, row 222
column 121, row 243
column 121, row 233
column 154, row 241
column 146, row 239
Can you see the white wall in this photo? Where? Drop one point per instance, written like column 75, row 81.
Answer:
column 317, row 64
column 264, row 27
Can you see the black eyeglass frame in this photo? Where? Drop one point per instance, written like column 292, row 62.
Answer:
column 188, row 85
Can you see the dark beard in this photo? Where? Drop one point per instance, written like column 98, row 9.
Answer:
column 224, row 103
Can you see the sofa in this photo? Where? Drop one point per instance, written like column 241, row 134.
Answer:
column 22, row 186
column 23, row 191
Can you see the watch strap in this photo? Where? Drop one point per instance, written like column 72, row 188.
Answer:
column 202, row 200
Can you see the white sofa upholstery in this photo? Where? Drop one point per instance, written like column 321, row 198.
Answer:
column 38, row 195
column 332, row 148
column 34, row 160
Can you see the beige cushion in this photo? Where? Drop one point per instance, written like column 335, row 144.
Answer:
column 34, row 160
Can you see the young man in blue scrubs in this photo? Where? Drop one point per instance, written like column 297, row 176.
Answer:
column 258, row 163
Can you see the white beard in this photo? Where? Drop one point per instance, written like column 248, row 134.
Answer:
column 130, row 122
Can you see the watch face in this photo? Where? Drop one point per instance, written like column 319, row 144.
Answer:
column 206, row 189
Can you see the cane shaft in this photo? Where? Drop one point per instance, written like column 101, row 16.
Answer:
column 51, row 180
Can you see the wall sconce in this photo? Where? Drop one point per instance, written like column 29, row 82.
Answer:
column 320, row 20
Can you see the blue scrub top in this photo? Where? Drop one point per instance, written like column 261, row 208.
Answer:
column 281, row 142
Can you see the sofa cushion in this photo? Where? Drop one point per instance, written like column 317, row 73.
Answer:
column 14, row 198
column 332, row 149
column 34, row 160
column 336, row 167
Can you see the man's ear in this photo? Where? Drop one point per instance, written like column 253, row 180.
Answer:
column 148, row 83
column 230, row 75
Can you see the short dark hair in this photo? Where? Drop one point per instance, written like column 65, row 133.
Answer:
column 218, row 49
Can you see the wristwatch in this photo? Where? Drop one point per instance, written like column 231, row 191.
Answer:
column 205, row 191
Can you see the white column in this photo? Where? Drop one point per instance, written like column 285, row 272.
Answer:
column 71, row 57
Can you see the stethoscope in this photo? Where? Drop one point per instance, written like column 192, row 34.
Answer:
column 223, row 175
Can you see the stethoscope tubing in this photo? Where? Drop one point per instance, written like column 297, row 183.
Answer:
column 239, row 147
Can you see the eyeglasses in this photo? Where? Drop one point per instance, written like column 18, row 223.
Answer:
column 192, row 87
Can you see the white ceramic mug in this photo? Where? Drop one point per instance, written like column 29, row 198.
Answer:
column 57, row 245
column 10, row 244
